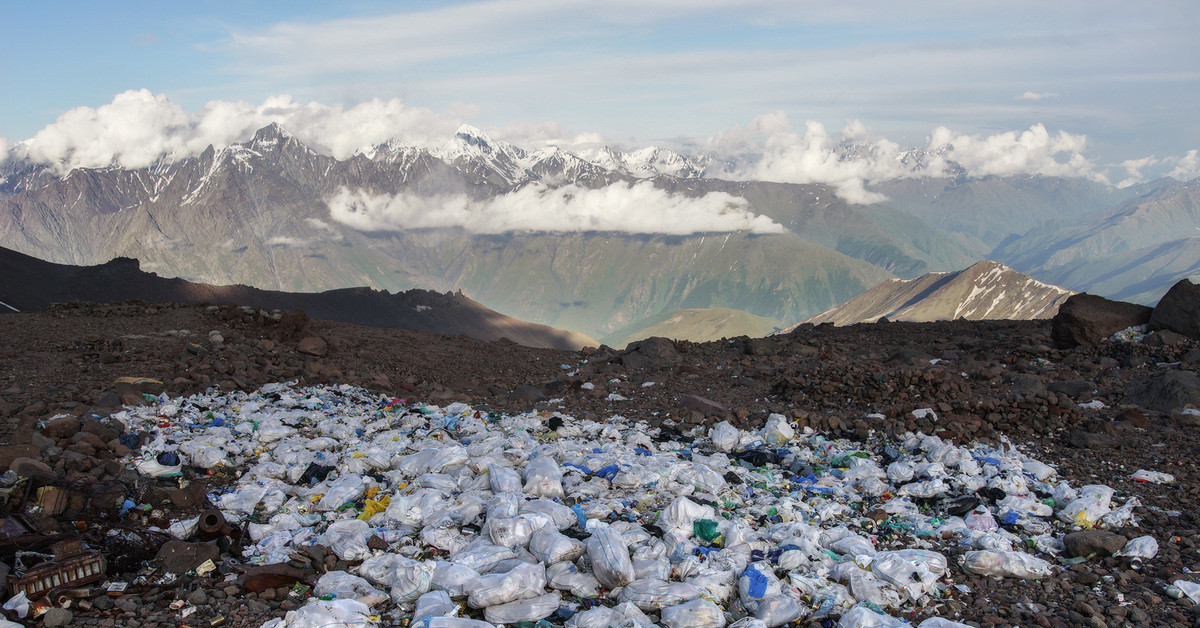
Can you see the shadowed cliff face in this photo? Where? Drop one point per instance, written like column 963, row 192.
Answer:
column 28, row 284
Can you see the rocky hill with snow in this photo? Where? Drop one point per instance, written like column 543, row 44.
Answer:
column 985, row 291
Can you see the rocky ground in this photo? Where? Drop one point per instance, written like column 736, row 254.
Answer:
column 984, row 380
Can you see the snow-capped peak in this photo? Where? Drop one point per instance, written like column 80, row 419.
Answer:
column 644, row 162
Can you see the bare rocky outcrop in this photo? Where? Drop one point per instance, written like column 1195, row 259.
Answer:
column 1179, row 310
column 1084, row 319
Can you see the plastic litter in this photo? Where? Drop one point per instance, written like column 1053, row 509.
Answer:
column 598, row 522
column 1006, row 564
column 1141, row 547
column 698, row 613
column 326, row 614
column 1152, row 477
column 1189, row 588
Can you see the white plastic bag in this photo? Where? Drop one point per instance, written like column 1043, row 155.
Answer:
column 865, row 617
column 650, row 595
column 524, row 581
column 543, row 477
column 724, row 436
column 504, row 479
column 343, row 491
column 1141, row 547
column 452, row 578
column 342, row 585
column 609, row 555
column 777, row 431
column 1005, row 565
column 551, row 546
column 697, row 613
column 531, row 609
column 565, row 576
column 434, row 604
column 331, row 614
column 623, row 615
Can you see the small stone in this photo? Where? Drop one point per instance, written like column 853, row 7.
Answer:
column 62, row 427
column 231, row 590
column 313, row 345
column 57, row 617
column 527, row 394
column 197, row 598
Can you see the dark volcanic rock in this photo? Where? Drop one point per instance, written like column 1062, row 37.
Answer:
column 528, row 394
column 700, row 404
column 1165, row 392
column 1088, row 542
column 1178, row 310
column 1084, row 319
column 651, row 353
column 1071, row 388
column 179, row 557
column 313, row 345
column 1084, row 439
column 1031, row 385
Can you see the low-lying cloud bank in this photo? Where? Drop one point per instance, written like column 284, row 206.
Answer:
column 628, row 208
column 769, row 150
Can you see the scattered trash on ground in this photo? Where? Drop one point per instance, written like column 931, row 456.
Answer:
column 374, row 510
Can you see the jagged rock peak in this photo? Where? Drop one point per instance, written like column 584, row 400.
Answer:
column 986, row 290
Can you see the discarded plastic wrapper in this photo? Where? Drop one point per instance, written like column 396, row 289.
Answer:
column 1152, row 477
column 1190, row 589
column 1006, row 565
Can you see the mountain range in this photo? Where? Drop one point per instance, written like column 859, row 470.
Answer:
column 272, row 213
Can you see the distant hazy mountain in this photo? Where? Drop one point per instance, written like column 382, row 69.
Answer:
column 30, row 284
column 991, row 210
column 697, row 325
column 987, row 290
column 1133, row 253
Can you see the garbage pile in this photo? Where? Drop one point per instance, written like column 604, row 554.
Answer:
column 453, row 517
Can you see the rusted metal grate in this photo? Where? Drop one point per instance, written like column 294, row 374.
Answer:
column 71, row 571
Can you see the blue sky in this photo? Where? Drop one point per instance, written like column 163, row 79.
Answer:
column 1124, row 75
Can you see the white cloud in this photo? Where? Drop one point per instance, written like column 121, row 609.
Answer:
column 1036, row 96
column 288, row 242
column 853, row 160
column 1133, row 168
column 1034, row 151
column 4, row 148
column 327, row 230
column 138, row 127
column 812, row 157
column 636, row 208
column 1186, row 167
column 547, row 134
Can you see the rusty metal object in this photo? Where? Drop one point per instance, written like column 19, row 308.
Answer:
column 212, row 525
column 71, row 571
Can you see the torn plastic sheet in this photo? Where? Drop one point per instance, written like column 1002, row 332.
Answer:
column 505, row 516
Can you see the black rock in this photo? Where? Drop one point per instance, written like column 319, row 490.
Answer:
column 1166, row 391
column 1088, row 542
column 1084, row 319
column 1178, row 310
